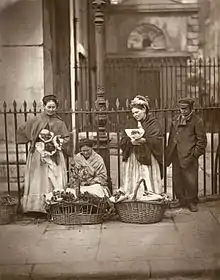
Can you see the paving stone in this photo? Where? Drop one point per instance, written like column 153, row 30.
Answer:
column 102, row 270
column 15, row 241
column 180, row 267
column 18, row 272
column 139, row 252
column 79, row 228
column 62, row 252
column 77, row 237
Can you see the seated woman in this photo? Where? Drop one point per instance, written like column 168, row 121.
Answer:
column 93, row 178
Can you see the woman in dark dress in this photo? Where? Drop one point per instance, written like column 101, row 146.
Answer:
column 142, row 150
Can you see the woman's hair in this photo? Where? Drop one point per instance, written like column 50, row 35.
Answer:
column 140, row 102
column 50, row 97
column 86, row 142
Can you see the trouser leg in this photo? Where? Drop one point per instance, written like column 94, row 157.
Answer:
column 178, row 184
column 191, row 181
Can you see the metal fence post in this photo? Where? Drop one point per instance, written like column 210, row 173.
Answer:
column 102, row 138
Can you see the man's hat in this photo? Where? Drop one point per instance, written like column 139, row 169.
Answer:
column 186, row 102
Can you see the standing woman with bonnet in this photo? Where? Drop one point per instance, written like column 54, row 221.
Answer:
column 45, row 168
column 142, row 150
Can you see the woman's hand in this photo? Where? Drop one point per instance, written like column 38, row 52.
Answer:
column 138, row 142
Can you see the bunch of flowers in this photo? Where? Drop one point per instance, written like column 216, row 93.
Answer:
column 78, row 173
column 135, row 134
column 8, row 200
column 68, row 196
column 49, row 143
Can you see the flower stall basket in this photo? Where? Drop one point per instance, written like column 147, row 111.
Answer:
column 77, row 213
column 7, row 213
column 141, row 212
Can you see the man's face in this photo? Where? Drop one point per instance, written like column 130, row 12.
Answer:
column 185, row 110
column 86, row 151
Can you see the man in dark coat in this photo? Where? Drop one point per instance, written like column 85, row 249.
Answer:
column 187, row 142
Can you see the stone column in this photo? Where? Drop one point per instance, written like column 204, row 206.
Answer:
column 99, row 20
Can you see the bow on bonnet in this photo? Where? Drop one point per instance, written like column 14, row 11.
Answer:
column 140, row 100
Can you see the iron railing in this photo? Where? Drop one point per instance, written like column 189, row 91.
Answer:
column 13, row 156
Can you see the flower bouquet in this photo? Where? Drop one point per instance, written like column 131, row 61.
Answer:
column 134, row 133
column 8, row 209
column 49, row 143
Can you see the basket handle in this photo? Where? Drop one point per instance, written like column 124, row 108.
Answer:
column 78, row 185
column 137, row 188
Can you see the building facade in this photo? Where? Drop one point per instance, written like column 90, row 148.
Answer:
column 140, row 36
column 210, row 27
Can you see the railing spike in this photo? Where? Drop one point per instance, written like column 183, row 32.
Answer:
column 127, row 103
column 117, row 103
column 76, row 104
column 15, row 105
column 87, row 105
column 25, row 106
column 107, row 104
column 4, row 106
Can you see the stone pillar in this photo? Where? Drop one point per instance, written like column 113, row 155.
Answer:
column 100, row 50
column 102, row 138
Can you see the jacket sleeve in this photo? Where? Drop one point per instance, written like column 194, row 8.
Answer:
column 201, row 138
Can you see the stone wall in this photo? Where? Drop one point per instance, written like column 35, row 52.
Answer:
column 21, row 52
column 177, row 20
column 119, row 26
column 193, row 33
column 210, row 27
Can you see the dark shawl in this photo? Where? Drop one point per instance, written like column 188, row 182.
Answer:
column 153, row 145
column 29, row 131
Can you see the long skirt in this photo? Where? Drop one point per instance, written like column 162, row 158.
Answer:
column 134, row 171
column 42, row 177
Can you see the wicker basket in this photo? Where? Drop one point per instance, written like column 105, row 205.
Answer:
column 140, row 212
column 77, row 213
column 7, row 213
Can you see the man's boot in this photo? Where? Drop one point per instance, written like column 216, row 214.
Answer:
column 193, row 207
column 178, row 203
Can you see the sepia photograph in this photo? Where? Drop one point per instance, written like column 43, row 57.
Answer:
column 110, row 139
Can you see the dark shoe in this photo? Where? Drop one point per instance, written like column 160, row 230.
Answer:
column 193, row 207
column 178, row 204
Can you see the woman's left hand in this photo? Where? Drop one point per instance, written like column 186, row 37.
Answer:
column 138, row 142
column 142, row 140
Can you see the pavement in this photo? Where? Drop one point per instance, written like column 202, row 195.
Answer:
column 182, row 244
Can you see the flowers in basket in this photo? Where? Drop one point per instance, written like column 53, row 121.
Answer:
column 8, row 200
column 8, row 208
column 49, row 143
column 78, row 172
column 68, row 197
column 121, row 195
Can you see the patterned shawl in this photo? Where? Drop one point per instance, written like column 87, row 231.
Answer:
column 97, row 173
